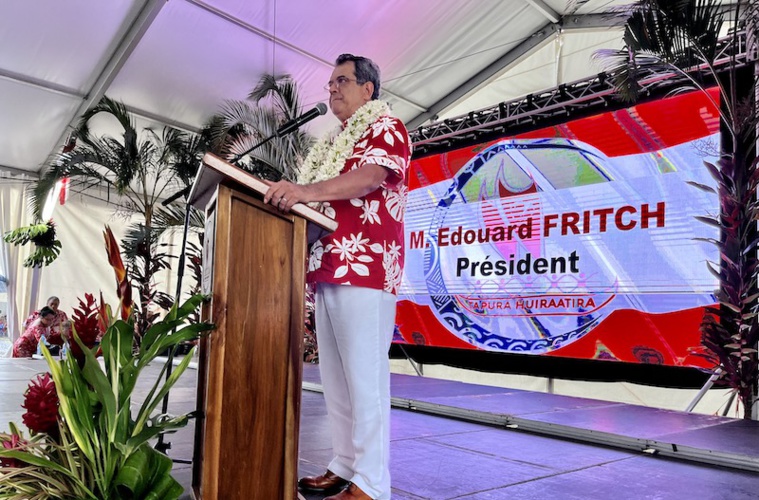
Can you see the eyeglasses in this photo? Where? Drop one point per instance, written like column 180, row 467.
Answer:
column 339, row 82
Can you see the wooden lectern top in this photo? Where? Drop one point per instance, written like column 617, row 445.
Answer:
column 214, row 170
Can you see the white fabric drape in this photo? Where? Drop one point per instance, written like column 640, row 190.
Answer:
column 14, row 213
column 82, row 266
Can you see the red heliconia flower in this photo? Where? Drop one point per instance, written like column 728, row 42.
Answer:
column 41, row 404
column 103, row 316
column 87, row 325
column 15, row 443
column 123, row 287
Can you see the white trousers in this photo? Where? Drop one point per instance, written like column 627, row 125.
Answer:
column 354, row 328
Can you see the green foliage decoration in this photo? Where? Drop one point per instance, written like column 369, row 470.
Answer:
column 101, row 448
column 46, row 246
column 681, row 39
column 104, row 450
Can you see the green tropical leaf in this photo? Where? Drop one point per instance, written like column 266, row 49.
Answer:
column 103, row 389
column 46, row 246
column 24, row 235
column 70, row 389
column 702, row 187
column 708, row 220
column 32, row 459
column 150, row 405
column 159, row 425
column 134, row 475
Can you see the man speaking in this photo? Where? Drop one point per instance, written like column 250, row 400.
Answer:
column 358, row 176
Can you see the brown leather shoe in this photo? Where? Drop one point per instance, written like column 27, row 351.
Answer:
column 326, row 483
column 352, row 492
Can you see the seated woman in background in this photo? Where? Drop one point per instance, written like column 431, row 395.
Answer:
column 60, row 316
column 26, row 345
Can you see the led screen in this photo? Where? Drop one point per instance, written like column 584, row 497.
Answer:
column 577, row 240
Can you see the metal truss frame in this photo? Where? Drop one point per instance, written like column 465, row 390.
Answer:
column 556, row 105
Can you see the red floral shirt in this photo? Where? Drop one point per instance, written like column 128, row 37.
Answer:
column 55, row 337
column 26, row 345
column 367, row 247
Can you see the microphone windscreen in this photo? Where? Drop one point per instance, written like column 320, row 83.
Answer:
column 306, row 117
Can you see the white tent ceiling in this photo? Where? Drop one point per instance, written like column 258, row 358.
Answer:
column 175, row 61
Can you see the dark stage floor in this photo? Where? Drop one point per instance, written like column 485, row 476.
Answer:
column 516, row 454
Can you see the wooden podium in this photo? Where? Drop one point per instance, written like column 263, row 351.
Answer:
column 250, row 367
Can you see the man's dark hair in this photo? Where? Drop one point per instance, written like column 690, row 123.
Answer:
column 46, row 311
column 366, row 71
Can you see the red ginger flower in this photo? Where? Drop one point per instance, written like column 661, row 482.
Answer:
column 15, row 443
column 87, row 325
column 41, row 404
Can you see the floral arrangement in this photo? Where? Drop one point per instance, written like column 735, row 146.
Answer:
column 84, row 440
column 328, row 156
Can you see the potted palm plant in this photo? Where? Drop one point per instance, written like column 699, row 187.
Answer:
column 681, row 38
column 241, row 124
column 140, row 169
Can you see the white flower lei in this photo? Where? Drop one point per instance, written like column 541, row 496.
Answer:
column 328, row 156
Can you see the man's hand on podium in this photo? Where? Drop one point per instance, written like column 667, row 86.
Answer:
column 284, row 195
column 356, row 183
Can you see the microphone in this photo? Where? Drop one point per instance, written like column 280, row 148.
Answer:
column 306, row 117
column 288, row 127
column 285, row 129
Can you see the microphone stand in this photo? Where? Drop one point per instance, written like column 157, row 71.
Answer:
column 237, row 158
column 162, row 445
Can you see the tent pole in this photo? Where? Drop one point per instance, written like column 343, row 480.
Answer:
column 708, row 385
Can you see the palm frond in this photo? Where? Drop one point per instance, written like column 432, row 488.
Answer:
column 271, row 157
column 668, row 37
column 137, row 239
column 267, row 85
column 287, row 100
column 118, row 111
column 664, row 36
column 171, row 218
column 77, row 166
column 185, row 153
column 281, row 91
column 234, row 120
column 245, row 117
column 240, row 125
column 216, row 131
column 138, row 169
